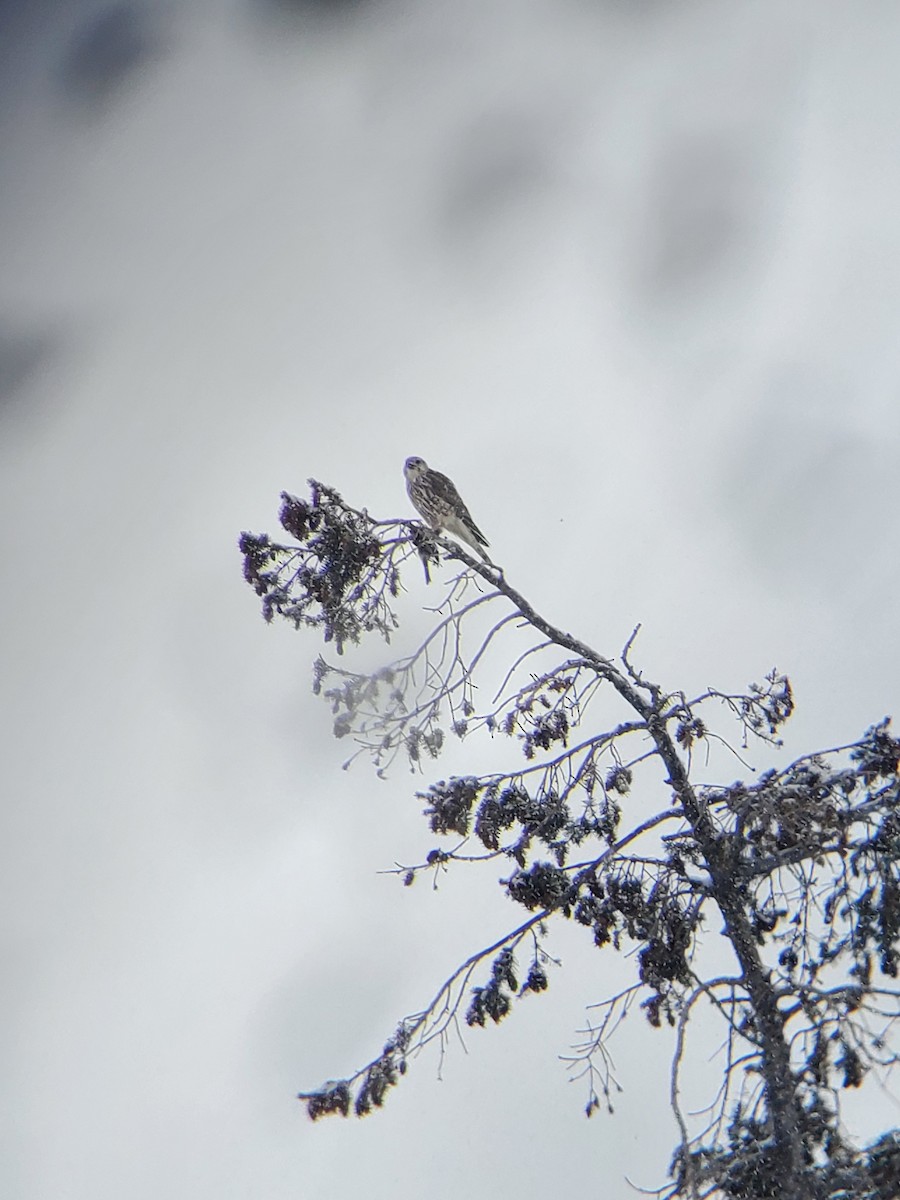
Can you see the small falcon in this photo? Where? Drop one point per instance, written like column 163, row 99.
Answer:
column 436, row 499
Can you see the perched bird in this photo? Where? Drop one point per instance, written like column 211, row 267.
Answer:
column 436, row 499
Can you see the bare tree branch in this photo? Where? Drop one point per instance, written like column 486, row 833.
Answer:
column 795, row 871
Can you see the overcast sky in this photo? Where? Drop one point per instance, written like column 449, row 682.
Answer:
column 629, row 273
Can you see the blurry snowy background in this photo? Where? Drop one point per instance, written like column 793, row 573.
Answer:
column 629, row 272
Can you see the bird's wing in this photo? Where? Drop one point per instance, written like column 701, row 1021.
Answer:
column 445, row 490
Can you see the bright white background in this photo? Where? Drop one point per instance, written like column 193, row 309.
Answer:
column 629, row 273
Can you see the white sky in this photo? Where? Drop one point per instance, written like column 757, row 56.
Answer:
column 629, row 273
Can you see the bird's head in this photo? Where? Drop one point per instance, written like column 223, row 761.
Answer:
column 413, row 467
